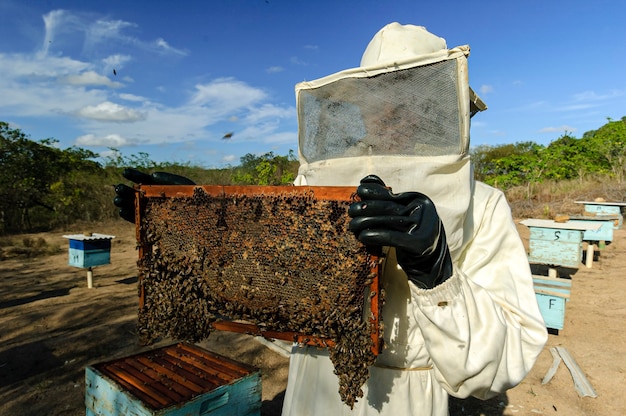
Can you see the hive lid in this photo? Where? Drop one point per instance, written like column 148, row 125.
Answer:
column 618, row 204
column 560, row 225
column 93, row 236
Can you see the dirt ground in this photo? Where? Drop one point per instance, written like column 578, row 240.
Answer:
column 52, row 327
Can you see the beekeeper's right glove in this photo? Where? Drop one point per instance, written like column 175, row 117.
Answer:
column 125, row 195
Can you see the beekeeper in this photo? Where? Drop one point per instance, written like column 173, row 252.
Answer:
column 460, row 316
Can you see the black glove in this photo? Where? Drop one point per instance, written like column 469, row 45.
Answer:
column 125, row 195
column 407, row 221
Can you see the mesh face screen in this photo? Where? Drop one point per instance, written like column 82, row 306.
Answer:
column 282, row 259
column 413, row 112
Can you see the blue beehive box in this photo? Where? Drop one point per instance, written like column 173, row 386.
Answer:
column 604, row 233
column 89, row 250
column 610, row 210
column 555, row 243
column 552, row 295
column 555, row 247
column 177, row 380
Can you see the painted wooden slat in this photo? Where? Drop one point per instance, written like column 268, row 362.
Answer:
column 581, row 383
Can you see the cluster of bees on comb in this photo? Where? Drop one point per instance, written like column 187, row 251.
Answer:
column 284, row 262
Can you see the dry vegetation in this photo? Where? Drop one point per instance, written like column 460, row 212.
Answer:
column 553, row 198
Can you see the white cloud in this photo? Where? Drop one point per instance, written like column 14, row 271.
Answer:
column 108, row 111
column 297, row 61
column 486, row 89
column 110, row 153
column 115, row 62
column 70, row 85
column 30, row 85
column 224, row 97
column 104, row 31
column 57, row 22
column 163, row 46
column 282, row 137
column 594, row 96
column 229, row 159
column 558, row 129
column 270, row 111
column 131, row 97
column 110, row 140
column 89, row 78
column 274, row 69
column 98, row 34
column 37, row 68
column 576, row 107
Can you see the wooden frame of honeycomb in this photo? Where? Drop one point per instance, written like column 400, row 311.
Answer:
column 274, row 261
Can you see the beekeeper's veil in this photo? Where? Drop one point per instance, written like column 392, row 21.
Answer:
column 403, row 115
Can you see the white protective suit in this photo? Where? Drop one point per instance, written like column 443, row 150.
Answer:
column 478, row 333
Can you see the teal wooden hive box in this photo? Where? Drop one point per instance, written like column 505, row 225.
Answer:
column 557, row 244
column 604, row 233
column 609, row 210
column 89, row 250
column 177, row 380
column 552, row 295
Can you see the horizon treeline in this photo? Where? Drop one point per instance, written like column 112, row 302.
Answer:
column 43, row 186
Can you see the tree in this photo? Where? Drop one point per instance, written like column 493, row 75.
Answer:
column 509, row 165
column 609, row 141
column 28, row 170
column 267, row 169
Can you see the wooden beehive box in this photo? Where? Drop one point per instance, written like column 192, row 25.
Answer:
column 609, row 210
column 552, row 296
column 176, row 380
column 89, row 250
column 556, row 244
column 604, row 233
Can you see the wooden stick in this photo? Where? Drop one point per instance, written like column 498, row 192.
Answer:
column 556, row 360
column 583, row 386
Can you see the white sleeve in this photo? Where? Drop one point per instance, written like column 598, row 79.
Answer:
column 482, row 327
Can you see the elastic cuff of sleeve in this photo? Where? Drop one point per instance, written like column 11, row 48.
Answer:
column 438, row 295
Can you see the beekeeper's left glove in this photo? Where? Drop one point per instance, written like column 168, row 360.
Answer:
column 407, row 221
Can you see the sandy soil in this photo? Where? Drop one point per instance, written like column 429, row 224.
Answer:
column 52, row 326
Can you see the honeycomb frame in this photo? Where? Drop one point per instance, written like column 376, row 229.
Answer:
column 314, row 237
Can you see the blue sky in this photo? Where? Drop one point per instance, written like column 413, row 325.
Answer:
column 188, row 72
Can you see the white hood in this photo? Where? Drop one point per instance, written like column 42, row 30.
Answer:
column 345, row 130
